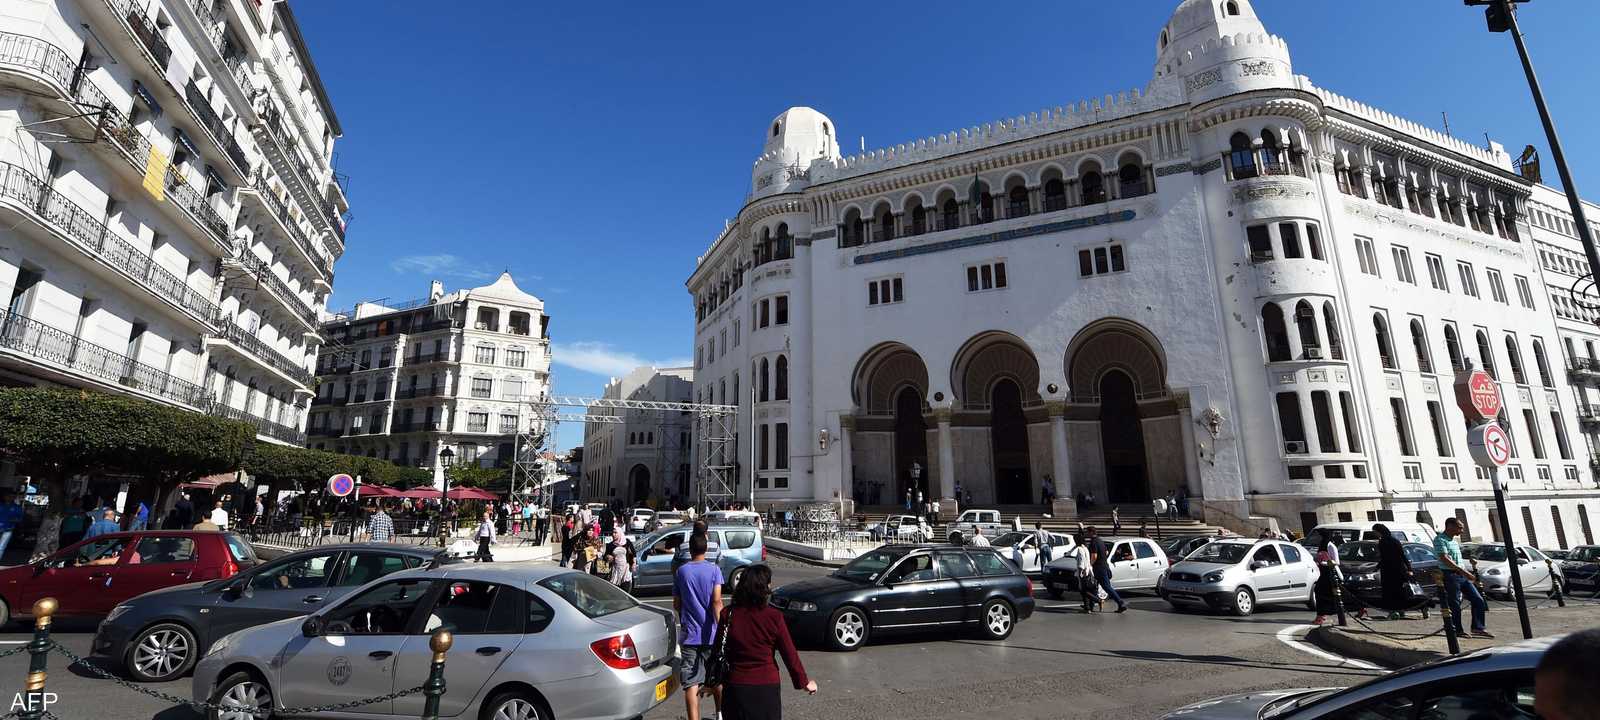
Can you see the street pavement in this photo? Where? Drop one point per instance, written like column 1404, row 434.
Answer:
column 1057, row 664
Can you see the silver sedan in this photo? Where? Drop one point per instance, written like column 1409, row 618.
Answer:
column 1238, row 575
column 531, row 643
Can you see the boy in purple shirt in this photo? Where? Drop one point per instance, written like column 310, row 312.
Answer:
column 697, row 600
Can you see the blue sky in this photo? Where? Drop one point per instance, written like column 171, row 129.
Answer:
column 595, row 149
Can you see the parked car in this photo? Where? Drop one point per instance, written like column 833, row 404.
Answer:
column 1495, row 682
column 669, row 518
column 1025, row 545
column 91, row 576
column 1136, row 564
column 530, row 642
column 900, row 588
column 1349, row 531
column 958, row 532
column 1557, row 555
column 159, row 635
column 1179, row 547
column 639, row 520
column 1582, row 569
column 733, row 517
column 735, row 547
column 901, row 528
column 1494, row 574
column 1237, row 575
column 1359, row 562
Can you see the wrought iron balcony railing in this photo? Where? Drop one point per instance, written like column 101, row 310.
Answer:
column 219, row 130
column 144, row 29
column 296, row 235
column 262, row 272
column 239, row 336
column 263, row 426
column 29, row 337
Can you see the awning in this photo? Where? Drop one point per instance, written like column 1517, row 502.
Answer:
column 148, row 97
column 183, row 139
column 370, row 490
column 209, row 481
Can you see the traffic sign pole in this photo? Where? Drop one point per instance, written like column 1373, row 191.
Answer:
column 1511, row 553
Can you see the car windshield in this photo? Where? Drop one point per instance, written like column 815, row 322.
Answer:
column 1220, row 553
column 1009, row 539
column 1174, row 545
column 1484, row 553
column 1363, row 551
column 1344, row 535
column 1589, row 553
column 868, row 567
column 590, row 595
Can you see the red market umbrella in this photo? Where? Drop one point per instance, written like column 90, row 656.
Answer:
column 378, row 491
column 472, row 494
column 420, row 493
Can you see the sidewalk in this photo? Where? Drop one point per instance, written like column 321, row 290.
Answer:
column 1399, row 643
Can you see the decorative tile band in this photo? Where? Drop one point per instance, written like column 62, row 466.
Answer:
column 1002, row 236
column 1215, row 164
column 822, row 234
column 1174, row 169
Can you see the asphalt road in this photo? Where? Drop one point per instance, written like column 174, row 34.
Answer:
column 1057, row 664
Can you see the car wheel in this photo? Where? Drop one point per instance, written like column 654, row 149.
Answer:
column 997, row 619
column 513, row 705
column 5, row 613
column 161, row 652
column 1242, row 603
column 848, row 628
column 955, row 538
column 733, row 578
column 241, row 696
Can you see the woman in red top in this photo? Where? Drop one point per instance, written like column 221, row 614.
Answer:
column 755, row 630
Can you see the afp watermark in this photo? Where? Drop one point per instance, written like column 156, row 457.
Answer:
column 34, row 701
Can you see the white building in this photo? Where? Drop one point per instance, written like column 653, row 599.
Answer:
column 648, row 456
column 1231, row 280
column 402, row 381
column 169, row 218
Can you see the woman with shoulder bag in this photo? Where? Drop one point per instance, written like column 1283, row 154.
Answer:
column 752, row 631
column 620, row 553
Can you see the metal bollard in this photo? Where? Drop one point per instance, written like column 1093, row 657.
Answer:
column 434, row 688
column 1444, row 612
column 38, row 652
column 1555, row 583
column 1338, row 592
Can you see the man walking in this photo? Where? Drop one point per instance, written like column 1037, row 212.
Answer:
column 380, row 529
column 1458, row 582
column 219, row 516
column 1099, row 559
column 485, row 537
column 10, row 518
column 977, row 539
column 106, row 524
column 1042, row 539
column 697, row 600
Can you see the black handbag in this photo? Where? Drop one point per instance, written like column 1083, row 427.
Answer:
column 717, row 666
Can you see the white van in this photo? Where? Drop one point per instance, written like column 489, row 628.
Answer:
column 1404, row 532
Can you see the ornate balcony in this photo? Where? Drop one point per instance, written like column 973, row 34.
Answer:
column 219, row 131
column 286, row 295
column 263, row 426
column 275, row 207
column 73, row 355
column 144, row 29
column 264, row 352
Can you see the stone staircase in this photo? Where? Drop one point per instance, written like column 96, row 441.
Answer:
column 1098, row 516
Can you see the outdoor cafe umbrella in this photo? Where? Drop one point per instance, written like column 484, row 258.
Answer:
column 371, row 490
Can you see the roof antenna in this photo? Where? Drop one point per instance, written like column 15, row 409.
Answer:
column 1446, row 117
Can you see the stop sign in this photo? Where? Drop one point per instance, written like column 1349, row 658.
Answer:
column 1478, row 395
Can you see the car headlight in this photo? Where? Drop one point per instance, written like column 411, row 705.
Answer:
column 802, row 606
column 116, row 612
column 1363, row 577
column 222, row 644
column 1493, row 571
column 1212, row 577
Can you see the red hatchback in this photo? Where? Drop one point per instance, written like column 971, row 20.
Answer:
column 92, row 576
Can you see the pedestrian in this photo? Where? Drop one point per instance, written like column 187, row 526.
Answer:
column 1394, row 572
column 485, row 537
column 380, row 528
column 752, row 632
column 541, row 524
column 921, row 506
column 1458, row 581
column 1042, row 539
column 10, row 517
column 608, row 521
column 528, row 522
column 1101, row 562
column 1048, row 493
column 141, row 519
column 1566, row 668
column 1083, row 569
column 620, row 550
column 697, row 601
column 1144, row 528
column 185, row 508
column 564, row 534
column 977, row 539
column 908, row 499
column 1183, row 501
column 1323, row 593
column 74, row 523
column 106, row 524
column 1172, row 505
column 1116, row 520
column 1016, row 523
column 933, row 511
column 219, row 516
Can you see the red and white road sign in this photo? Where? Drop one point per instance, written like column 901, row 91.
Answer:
column 1478, row 395
column 1489, row 444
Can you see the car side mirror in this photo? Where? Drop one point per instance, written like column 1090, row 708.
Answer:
column 1256, row 565
column 311, row 628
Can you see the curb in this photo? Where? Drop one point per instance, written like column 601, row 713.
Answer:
column 1360, row 646
column 803, row 559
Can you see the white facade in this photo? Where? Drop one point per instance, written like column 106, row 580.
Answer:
column 1231, row 280
column 401, row 382
column 171, row 218
column 647, row 456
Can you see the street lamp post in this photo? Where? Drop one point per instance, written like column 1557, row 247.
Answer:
column 447, row 458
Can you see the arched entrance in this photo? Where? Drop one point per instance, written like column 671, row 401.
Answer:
column 1118, row 375
column 1122, row 438
column 890, row 388
column 1008, row 431
column 910, row 443
column 1000, row 407
column 639, row 483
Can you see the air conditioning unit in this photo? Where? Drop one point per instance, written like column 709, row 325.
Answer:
column 1294, row 447
column 1313, row 353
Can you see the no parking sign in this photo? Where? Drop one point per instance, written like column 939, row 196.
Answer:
column 341, row 485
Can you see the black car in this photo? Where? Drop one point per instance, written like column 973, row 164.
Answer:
column 1179, row 547
column 899, row 588
column 1581, row 569
column 1358, row 560
column 158, row 636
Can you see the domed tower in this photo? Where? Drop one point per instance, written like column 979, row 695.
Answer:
column 1218, row 48
column 795, row 139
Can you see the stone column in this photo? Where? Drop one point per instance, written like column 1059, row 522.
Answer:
column 948, row 507
column 847, row 427
column 1063, row 506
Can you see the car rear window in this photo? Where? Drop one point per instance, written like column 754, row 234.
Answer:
column 1291, row 554
column 162, row 549
column 989, row 563
column 739, row 539
column 240, row 550
column 956, row 565
column 590, row 595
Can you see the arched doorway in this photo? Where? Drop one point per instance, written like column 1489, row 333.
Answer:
column 1122, row 439
column 910, row 442
column 639, row 483
column 1008, row 431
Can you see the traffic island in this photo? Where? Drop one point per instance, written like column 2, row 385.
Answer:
column 1399, row 643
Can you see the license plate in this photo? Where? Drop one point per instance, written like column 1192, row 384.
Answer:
column 661, row 690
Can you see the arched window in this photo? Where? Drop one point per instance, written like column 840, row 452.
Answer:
column 883, row 224
column 762, row 375
column 1514, row 357
column 1231, row 7
column 1163, row 39
column 950, row 214
column 1277, row 336
column 1241, row 157
column 1273, row 161
column 919, row 219
column 764, row 248
column 1017, row 202
column 1305, row 324
column 1544, row 366
column 780, row 382
column 854, row 231
column 1419, row 343
column 1331, row 325
column 985, row 204
column 775, row 127
column 1055, row 195
column 1092, row 184
column 1452, row 345
column 1380, row 330
column 1130, row 177
column 1486, row 355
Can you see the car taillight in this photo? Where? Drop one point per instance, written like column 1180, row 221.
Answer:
column 763, row 552
column 1030, row 585
column 229, row 568
column 617, row 652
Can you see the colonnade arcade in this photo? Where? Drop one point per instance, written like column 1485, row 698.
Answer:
column 1117, row 430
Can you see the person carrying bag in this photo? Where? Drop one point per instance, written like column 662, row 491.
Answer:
column 742, row 664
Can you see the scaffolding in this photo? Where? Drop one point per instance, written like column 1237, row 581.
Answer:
column 712, row 428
